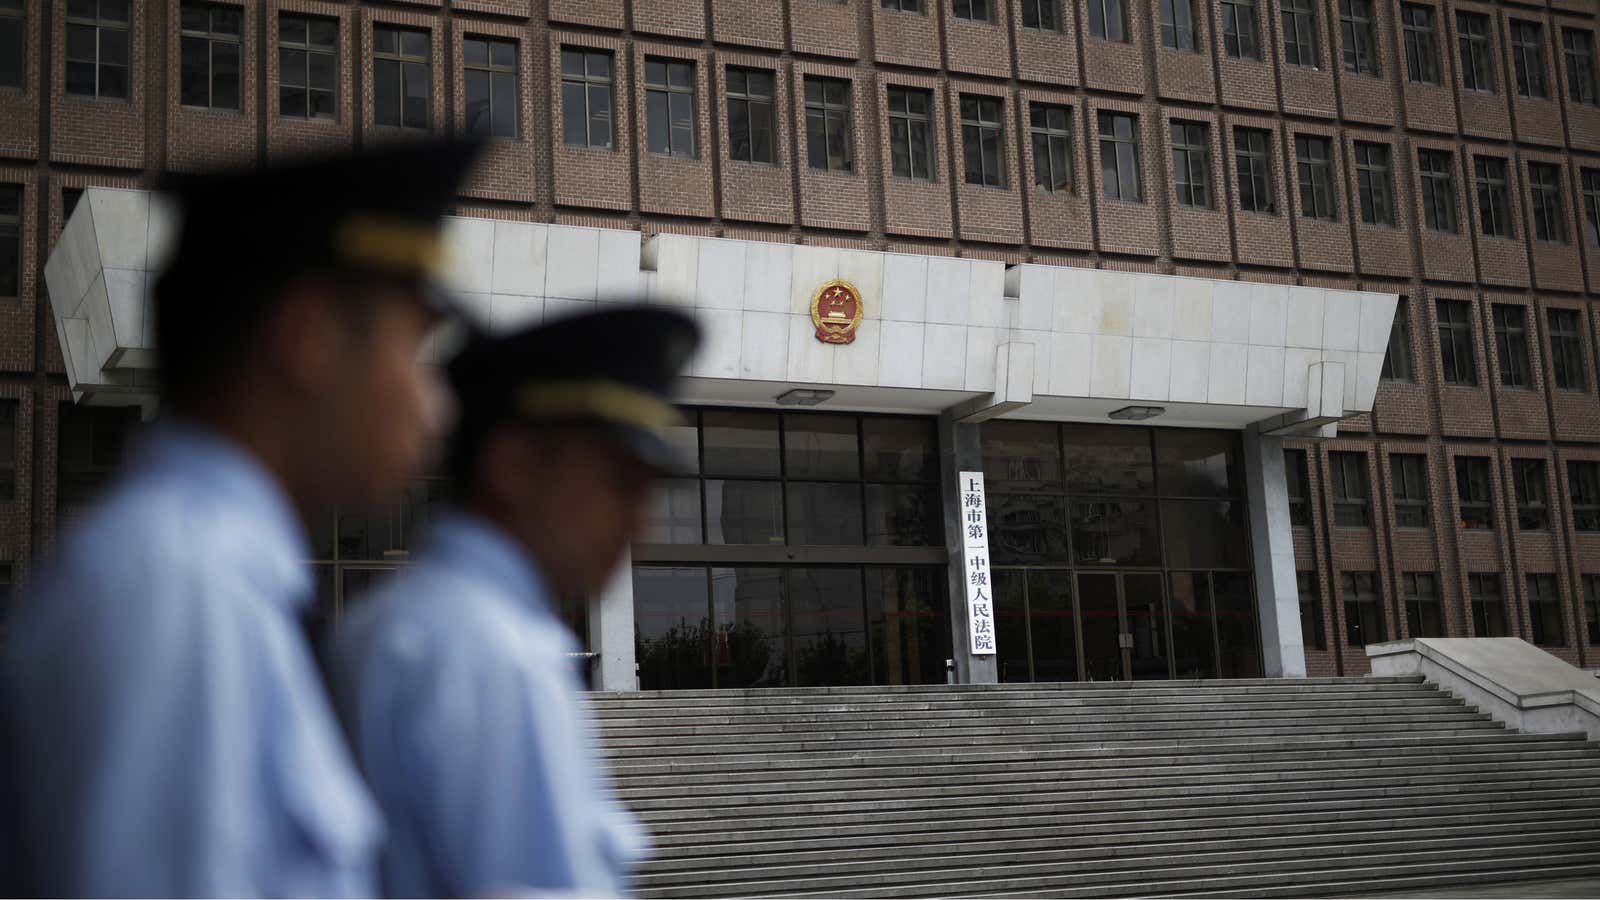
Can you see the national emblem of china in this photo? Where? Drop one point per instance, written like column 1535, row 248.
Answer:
column 836, row 311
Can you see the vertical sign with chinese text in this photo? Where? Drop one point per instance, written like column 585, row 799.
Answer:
column 975, row 564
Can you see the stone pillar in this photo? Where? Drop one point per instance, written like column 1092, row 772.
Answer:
column 611, row 632
column 1272, row 549
column 960, row 448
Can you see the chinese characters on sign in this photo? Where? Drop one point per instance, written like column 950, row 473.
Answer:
column 975, row 564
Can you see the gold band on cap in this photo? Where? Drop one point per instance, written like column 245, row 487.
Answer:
column 608, row 401
column 390, row 245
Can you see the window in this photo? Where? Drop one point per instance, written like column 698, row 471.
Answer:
column 1544, row 611
column 69, row 201
column 1527, row 58
column 974, row 10
column 1455, row 342
column 1409, row 472
column 91, row 443
column 750, row 116
column 10, row 240
column 1488, row 607
column 1363, row 618
column 1374, row 183
column 7, row 587
column 1298, row 485
column 828, row 144
column 8, row 451
column 669, row 106
column 910, row 155
column 910, row 6
column 1107, row 20
column 1254, row 169
column 1583, row 486
column 1472, row 489
column 209, row 67
column 586, row 98
column 1422, row 43
column 1039, row 14
column 97, row 48
column 1511, row 345
column 1591, row 204
column 308, row 67
column 1299, row 33
column 1578, row 48
column 1316, row 179
column 1477, row 51
column 12, row 27
column 1420, row 592
column 1397, row 362
column 1533, row 507
column 1177, row 24
column 491, row 82
column 1239, row 33
column 1494, row 215
column 1119, row 156
column 401, row 83
column 1051, row 129
column 1360, row 41
column 1544, row 181
column 1591, row 606
column 1191, row 164
column 1566, row 349
column 981, row 143
column 1311, row 632
column 1438, row 189
column 1352, row 507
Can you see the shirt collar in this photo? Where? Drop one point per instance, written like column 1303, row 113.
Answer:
column 474, row 543
column 273, row 542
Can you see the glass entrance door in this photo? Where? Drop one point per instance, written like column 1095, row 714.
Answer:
column 1124, row 625
column 1102, row 626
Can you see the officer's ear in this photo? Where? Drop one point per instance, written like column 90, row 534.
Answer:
column 306, row 333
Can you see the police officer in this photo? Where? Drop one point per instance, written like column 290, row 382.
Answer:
column 170, row 733
column 453, row 682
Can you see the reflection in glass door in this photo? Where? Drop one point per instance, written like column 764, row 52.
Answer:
column 1147, row 631
column 1102, row 626
column 1034, row 625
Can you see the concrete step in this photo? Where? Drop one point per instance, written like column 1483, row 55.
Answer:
column 1531, row 882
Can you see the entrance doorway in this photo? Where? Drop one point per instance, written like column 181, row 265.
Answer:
column 1057, row 625
column 1124, row 627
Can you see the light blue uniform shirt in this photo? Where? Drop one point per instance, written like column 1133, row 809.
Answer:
column 472, row 729
column 170, row 731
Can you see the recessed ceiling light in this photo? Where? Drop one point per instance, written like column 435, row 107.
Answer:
column 1137, row 413
column 803, row 397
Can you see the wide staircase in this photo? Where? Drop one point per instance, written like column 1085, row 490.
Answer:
column 1246, row 788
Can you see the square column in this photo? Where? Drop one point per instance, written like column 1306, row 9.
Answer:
column 960, row 448
column 1272, row 546
column 611, row 632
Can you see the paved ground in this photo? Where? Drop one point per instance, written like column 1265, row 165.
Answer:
column 1581, row 888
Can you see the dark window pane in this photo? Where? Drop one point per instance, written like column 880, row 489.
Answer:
column 11, row 52
column 475, row 51
column 1193, row 653
column 1205, row 534
column 1021, row 456
column 741, row 443
column 823, row 513
column 1013, row 660
column 1240, row 656
column 416, row 98
column 1198, row 464
column 386, row 91
column 504, row 91
column 571, row 62
column 322, row 71
column 224, row 75
column 749, row 646
column 1108, row 459
column 193, row 72
column 903, row 516
column 292, row 69
column 672, row 627
column 414, row 43
column 574, row 124
column 1026, row 529
column 908, row 625
column 599, row 115
column 820, row 446
column 114, row 82
column 656, row 128
column 899, row 449
column 324, row 33
column 1115, row 533
column 744, row 512
column 477, row 85
column 829, row 627
column 1050, row 626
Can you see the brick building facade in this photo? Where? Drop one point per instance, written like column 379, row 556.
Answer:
column 1351, row 102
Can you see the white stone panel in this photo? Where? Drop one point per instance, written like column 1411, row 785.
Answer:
column 572, row 262
column 768, row 269
column 518, row 261
column 1351, row 362
column 948, row 283
column 900, row 353
column 1297, row 363
column 470, row 249
column 1369, row 369
column 905, row 287
column 508, row 312
column 1110, row 366
column 557, row 309
column 981, row 343
column 720, row 345
column 96, row 309
column 864, row 269
column 147, row 338
column 1153, row 307
column 811, row 267
column 1264, row 376
column 73, row 265
column 77, row 347
column 810, row 360
column 1036, row 295
column 1115, row 296
column 1075, row 309
column 986, row 293
column 1267, row 302
column 1071, row 362
column 1191, row 371
column 1152, row 369
column 121, row 227
column 617, row 276
column 857, row 362
column 720, row 280
column 125, row 294
column 677, row 260
column 1230, row 365
column 1191, row 309
column 764, row 346
column 1377, row 316
column 1303, row 318
column 1341, row 320
column 1042, row 345
column 1230, row 312
column 944, row 357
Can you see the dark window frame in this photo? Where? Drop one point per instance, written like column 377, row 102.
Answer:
column 1299, row 33
column 1315, row 176
column 1040, row 15
column 905, row 123
column 1544, row 605
column 1363, row 608
column 1457, row 359
column 491, row 68
column 12, row 197
column 1568, row 367
column 14, row 46
column 973, row 10
column 1177, row 26
column 1419, row 590
column 213, row 39
column 586, row 81
column 983, row 128
column 1486, row 592
column 1409, row 479
column 1297, row 478
column 1532, row 494
column 10, row 413
column 673, row 91
column 1511, row 344
column 1475, row 492
column 828, row 124
column 1312, row 633
column 1544, row 192
column 1421, row 38
column 102, row 25
column 1577, row 51
column 310, row 49
column 1191, row 163
column 1241, row 31
column 1252, row 160
column 1375, row 183
column 1352, row 492
column 905, row 6
column 407, row 65
column 1050, row 128
column 1108, row 20
column 1436, row 172
column 1358, row 33
column 1489, row 175
column 1475, row 40
column 1397, row 363
column 1589, row 187
column 1583, row 493
column 1590, row 585
column 1125, row 182
column 1527, row 58
column 756, row 106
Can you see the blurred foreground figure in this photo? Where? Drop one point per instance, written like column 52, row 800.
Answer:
column 170, row 733
column 466, row 715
